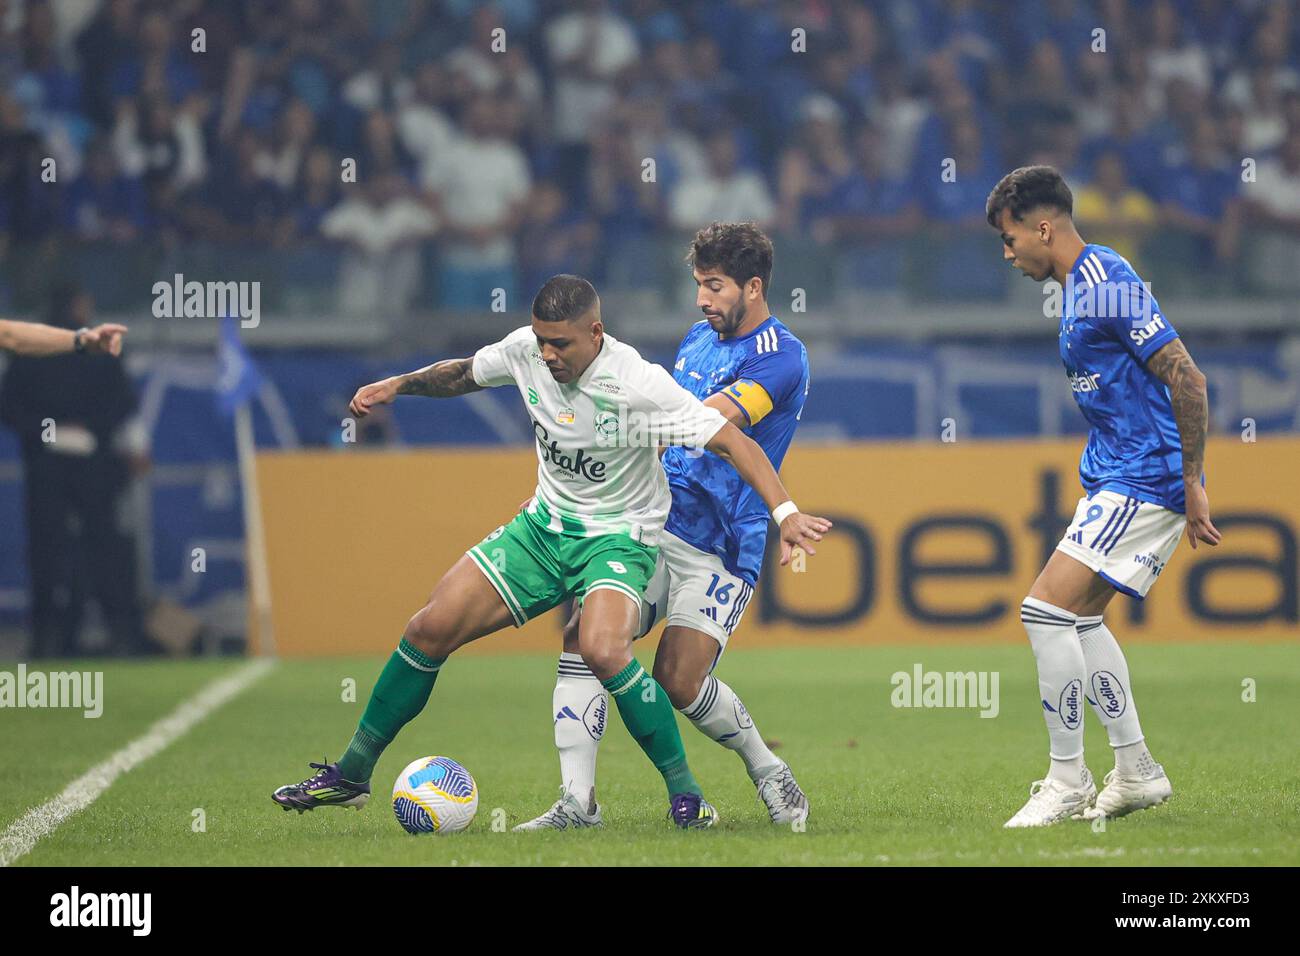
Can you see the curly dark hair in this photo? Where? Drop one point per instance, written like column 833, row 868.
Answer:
column 738, row 250
column 1028, row 188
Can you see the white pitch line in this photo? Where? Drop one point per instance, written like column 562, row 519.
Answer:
column 23, row 834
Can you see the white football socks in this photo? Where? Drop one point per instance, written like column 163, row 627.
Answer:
column 580, row 707
column 1111, row 695
column 718, row 714
column 1061, row 672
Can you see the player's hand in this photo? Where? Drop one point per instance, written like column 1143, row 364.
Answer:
column 1198, row 517
column 799, row 531
column 377, row 393
column 106, row 338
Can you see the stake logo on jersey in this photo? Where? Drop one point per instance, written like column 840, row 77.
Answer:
column 586, row 485
column 765, row 373
column 1110, row 326
column 579, row 464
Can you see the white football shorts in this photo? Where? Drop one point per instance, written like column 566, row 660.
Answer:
column 1125, row 540
column 692, row 589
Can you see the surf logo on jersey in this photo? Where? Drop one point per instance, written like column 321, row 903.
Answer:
column 1085, row 382
column 579, row 464
column 1148, row 331
column 1109, row 693
column 1069, row 708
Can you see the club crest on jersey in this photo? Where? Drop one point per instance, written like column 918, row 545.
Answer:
column 606, row 425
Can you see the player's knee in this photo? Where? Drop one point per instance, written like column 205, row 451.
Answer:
column 605, row 657
column 680, row 682
column 428, row 630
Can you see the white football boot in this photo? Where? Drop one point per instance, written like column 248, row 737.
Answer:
column 783, row 797
column 1050, row 802
column 1122, row 794
column 567, row 813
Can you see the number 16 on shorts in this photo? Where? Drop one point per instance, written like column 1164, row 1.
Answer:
column 728, row 599
column 702, row 593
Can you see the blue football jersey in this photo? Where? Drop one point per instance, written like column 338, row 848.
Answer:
column 713, row 509
column 1110, row 326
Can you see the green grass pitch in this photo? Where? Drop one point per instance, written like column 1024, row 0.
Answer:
column 888, row 786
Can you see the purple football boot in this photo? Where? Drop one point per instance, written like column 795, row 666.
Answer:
column 690, row 811
column 326, row 788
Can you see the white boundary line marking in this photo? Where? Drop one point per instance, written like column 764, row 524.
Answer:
column 23, row 834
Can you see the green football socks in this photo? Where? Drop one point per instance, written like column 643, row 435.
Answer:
column 650, row 719
column 400, row 694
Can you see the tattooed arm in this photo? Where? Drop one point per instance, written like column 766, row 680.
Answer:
column 1173, row 366
column 444, row 379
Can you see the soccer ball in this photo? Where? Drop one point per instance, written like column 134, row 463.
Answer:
column 435, row 795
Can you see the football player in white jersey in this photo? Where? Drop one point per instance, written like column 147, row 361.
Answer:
column 599, row 413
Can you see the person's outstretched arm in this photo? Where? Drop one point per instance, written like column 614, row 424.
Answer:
column 444, row 379
column 31, row 338
column 798, row 530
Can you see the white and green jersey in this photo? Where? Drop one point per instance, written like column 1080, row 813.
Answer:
column 598, row 436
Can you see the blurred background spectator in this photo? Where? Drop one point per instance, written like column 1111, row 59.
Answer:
column 647, row 117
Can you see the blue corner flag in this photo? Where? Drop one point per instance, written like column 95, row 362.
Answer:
column 237, row 377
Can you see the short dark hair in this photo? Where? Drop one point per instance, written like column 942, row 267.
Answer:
column 564, row 298
column 1027, row 188
column 738, row 250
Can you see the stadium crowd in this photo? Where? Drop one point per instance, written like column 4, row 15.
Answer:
column 498, row 143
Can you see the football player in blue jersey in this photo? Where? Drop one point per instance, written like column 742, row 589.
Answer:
column 1143, row 473
column 741, row 360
